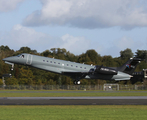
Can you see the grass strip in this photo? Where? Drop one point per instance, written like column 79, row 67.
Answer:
column 105, row 112
column 67, row 94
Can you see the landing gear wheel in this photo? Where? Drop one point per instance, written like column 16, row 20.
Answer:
column 77, row 82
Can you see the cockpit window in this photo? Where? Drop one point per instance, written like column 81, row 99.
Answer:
column 20, row 55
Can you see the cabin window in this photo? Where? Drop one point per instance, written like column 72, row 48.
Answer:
column 50, row 61
column 54, row 62
column 76, row 66
column 59, row 63
column 85, row 68
column 43, row 60
column 67, row 65
column 80, row 67
column 71, row 65
column 47, row 60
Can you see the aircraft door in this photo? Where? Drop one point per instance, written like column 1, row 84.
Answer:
column 29, row 59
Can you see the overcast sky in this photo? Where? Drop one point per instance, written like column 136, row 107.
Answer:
column 108, row 26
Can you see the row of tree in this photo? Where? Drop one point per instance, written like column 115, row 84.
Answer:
column 24, row 75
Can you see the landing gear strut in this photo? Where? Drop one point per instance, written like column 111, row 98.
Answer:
column 12, row 64
column 12, row 67
column 77, row 82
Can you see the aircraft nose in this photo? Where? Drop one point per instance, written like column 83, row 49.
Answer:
column 5, row 59
column 9, row 59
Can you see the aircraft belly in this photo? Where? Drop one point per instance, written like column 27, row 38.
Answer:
column 99, row 76
column 49, row 68
column 119, row 76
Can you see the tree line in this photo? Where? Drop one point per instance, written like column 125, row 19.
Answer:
column 25, row 75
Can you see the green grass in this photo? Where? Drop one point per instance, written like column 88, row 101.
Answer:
column 107, row 112
column 88, row 112
column 69, row 93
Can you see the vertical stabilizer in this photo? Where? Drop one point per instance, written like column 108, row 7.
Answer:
column 130, row 65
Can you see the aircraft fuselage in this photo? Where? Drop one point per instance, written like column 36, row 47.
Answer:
column 72, row 69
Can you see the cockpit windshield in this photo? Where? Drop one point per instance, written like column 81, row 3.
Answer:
column 20, row 55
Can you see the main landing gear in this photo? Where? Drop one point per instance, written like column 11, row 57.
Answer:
column 77, row 82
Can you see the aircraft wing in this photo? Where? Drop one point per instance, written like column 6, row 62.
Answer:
column 96, row 70
column 76, row 75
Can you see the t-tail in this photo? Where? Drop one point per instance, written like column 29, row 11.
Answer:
column 130, row 65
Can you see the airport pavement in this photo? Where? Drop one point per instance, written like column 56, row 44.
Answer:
column 134, row 100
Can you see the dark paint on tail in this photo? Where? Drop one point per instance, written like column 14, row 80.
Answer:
column 130, row 65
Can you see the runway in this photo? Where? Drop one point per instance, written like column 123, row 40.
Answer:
column 134, row 100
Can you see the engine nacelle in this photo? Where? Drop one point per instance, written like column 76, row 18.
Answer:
column 105, row 70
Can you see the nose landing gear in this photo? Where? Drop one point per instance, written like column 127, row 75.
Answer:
column 12, row 64
column 12, row 67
